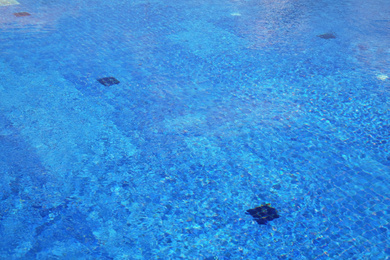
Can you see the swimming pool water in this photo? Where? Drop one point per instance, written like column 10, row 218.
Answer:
column 211, row 108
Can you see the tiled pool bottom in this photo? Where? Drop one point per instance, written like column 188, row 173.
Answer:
column 147, row 129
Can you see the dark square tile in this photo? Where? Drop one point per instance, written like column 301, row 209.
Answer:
column 21, row 14
column 327, row 36
column 263, row 214
column 108, row 81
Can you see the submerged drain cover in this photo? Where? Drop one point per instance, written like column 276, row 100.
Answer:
column 263, row 214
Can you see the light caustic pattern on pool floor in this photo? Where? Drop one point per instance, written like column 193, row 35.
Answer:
column 150, row 129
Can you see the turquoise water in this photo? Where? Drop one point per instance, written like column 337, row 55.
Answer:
column 213, row 108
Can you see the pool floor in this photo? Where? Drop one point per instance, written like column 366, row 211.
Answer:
column 151, row 129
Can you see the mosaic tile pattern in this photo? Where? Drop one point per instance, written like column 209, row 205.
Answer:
column 222, row 106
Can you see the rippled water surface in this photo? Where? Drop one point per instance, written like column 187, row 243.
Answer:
column 146, row 129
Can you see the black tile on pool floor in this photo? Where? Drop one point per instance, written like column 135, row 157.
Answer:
column 327, row 36
column 263, row 214
column 108, row 81
column 22, row 14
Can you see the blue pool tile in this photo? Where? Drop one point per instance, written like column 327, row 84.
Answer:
column 219, row 108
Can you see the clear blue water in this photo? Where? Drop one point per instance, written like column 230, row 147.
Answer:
column 222, row 106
